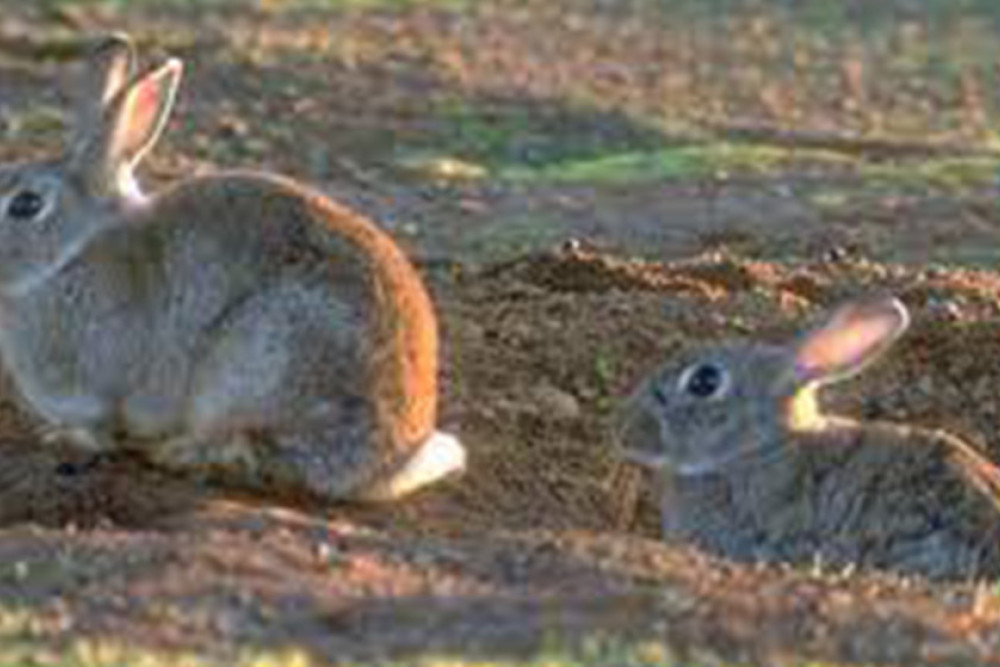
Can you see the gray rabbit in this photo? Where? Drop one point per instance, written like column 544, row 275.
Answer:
column 238, row 324
column 752, row 469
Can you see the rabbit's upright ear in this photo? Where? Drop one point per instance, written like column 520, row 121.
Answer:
column 130, row 123
column 854, row 335
column 110, row 66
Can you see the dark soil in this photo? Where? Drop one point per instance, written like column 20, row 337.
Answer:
column 554, row 300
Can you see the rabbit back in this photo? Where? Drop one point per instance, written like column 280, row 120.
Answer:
column 877, row 495
column 231, row 302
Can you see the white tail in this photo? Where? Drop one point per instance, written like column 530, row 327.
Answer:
column 440, row 456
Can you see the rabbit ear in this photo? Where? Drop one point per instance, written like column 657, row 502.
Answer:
column 111, row 65
column 130, row 124
column 853, row 336
column 139, row 114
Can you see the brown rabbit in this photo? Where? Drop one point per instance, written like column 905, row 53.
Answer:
column 239, row 324
column 753, row 470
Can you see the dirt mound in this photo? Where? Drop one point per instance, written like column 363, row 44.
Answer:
column 541, row 351
column 534, row 542
column 548, row 534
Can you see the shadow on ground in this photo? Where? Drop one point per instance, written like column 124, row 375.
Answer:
column 417, row 117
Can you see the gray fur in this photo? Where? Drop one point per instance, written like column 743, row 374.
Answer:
column 238, row 325
column 761, row 474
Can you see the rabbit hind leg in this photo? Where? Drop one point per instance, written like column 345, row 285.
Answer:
column 324, row 457
column 329, row 456
column 279, row 398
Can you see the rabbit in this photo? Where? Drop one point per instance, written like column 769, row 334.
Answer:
column 751, row 469
column 238, row 325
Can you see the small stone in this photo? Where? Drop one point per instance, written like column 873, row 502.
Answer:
column 559, row 404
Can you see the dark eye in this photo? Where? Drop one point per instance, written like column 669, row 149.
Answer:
column 25, row 205
column 703, row 380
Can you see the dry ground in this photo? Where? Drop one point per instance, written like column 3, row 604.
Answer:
column 479, row 135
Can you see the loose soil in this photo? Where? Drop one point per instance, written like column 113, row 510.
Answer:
column 554, row 300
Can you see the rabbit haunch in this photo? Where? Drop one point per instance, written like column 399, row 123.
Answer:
column 750, row 468
column 239, row 324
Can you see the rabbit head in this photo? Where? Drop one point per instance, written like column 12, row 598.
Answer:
column 49, row 208
column 712, row 406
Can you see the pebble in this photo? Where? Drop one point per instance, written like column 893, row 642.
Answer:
column 559, row 404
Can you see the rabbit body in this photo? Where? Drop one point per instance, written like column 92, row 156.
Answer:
column 756, row 472
column 239, row 324
column 852, row 495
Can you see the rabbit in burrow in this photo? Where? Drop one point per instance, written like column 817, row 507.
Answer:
column 751, row 468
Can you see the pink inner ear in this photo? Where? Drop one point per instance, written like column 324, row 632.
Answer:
column 143, row 112
column 843, row 344
column 144, row 105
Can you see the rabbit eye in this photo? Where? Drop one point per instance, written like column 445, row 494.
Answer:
column 704, row 380
column 25, row 205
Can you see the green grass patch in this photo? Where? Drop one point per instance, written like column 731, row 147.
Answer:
column 682, row 162
column 724, row 159
column 504, row 132
column 720, row 160
column 952, row 173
